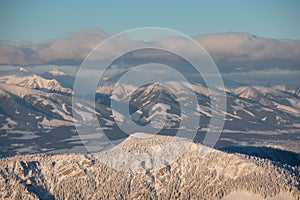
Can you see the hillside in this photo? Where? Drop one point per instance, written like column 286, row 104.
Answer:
column 82, row 176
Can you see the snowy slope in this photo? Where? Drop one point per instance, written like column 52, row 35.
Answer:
column 24, row 78
column 270, row 97
column 78, row 176
column 253, row 113
column 34, row 110
column 253, row 108
column 64, row 79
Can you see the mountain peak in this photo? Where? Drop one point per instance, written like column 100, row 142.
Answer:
column 56, row 72
column 25, row 78
column 21, row 69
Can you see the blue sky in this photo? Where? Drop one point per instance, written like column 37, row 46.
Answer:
column 34, row 20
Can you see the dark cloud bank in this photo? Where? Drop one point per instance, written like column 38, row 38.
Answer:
column 231, row 51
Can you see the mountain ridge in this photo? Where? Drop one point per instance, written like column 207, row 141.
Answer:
column 214, row 176
column 25, row 78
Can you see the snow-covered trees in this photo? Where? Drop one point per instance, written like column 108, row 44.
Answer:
column 79, row 176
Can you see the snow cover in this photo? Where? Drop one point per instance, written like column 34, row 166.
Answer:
column 53, row 123
column 288, row 109
column 244, row 195
column 30, row 80
column 17, row 90
column 117, row 116
column 215, row 176
column 264, row 119
column 86, row 112
column 21, row 69
column 56, row 72
column 9, row 121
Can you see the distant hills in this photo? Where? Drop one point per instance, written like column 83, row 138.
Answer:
column 34, row 106
column 64, row 79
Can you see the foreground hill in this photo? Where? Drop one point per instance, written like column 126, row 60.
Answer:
column 80, row 176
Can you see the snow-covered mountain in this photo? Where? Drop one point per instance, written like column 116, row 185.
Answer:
column 24, row 78
column 252, row 107
column 36, row 116
column 64, row 79
column 255, row 115
column 29, row 109
column 218, row 175
column 288, row 89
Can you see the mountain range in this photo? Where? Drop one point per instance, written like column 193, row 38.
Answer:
column 258, row 154
column 33, row 107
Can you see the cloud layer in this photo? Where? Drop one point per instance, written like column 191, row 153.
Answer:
column 230, row 51
column 71, row 50
column 248, row 52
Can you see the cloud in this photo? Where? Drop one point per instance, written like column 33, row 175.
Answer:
column 230, row 51
column 249, row 52
column 10, row 54
column 70, row 50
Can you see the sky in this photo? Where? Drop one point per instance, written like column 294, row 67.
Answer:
column 239, row 35
column 36, row 21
